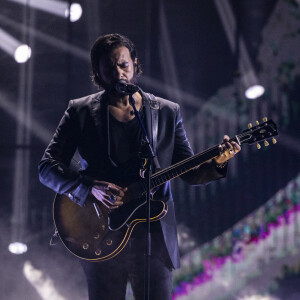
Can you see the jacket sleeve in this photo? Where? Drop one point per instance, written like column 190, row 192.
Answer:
column 54, row 168
column 202, row 174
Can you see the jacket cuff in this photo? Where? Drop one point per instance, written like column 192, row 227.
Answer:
column 81, row 192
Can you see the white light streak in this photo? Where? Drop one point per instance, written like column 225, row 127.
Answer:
column 36, row 128
column 42, row 283
column 58, row 8
column 14, row 47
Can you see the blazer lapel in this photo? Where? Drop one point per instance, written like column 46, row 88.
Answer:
column 151, row 120
column 148, row 117
column 99, row 114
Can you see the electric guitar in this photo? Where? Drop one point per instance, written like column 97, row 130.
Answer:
column 94, row 232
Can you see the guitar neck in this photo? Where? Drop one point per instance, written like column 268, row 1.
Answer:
column 185, row 165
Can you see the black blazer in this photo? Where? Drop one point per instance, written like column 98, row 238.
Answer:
column 84, row 128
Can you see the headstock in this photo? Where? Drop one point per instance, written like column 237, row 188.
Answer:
column 260, row 132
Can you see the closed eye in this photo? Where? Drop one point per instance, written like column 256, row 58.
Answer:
column 124, row 65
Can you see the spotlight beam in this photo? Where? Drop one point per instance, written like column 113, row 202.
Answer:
column 41, row 282
column 14, row 47
column 50, row 6
column 58, row 8
column 41, row 132
column 47, row 39
column 8, row 43
column 228, row 20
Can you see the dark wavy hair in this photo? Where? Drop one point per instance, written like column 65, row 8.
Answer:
column 103, row 46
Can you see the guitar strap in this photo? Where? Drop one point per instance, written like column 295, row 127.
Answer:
column 154, row 107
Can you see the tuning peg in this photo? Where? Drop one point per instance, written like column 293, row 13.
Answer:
column 265, row 119
column 258, row 146
column 250, row 125
column 266, row 143
column 257, row 123
column 274, row 141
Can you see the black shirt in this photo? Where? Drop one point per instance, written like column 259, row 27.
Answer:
column 125, row 138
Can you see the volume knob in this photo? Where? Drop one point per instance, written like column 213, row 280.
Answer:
column 98, row 252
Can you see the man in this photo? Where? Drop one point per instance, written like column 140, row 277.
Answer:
column 107, row 136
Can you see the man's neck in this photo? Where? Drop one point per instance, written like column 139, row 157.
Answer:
column 121, row 109
column 122, row 102
column 118, row 101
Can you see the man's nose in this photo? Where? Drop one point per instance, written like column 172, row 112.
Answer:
column 119, row 73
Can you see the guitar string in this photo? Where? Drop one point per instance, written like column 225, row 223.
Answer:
column 199, row 154
column 188, row 160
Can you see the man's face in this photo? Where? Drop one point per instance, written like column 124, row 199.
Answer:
column 115, row 66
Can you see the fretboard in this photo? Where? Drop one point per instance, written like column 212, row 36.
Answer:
column 184, row 166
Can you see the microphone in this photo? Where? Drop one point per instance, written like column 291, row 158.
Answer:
column 126, row 88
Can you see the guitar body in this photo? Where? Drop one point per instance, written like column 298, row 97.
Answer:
column 94, row 233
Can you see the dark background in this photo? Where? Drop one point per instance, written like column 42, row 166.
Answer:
column 187, row 58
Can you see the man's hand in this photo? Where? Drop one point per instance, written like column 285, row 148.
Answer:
column 108, row 193
column 227, row 150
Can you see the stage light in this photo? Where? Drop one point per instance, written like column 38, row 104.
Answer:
column 22, row 53
column 17, row 248
column 58, row 8
column 254, row 91
column 13, row 47
column 75, row 12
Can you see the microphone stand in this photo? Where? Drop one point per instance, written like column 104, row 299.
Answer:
column 148, row 154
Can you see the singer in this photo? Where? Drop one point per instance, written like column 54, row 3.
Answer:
column 106, row 134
